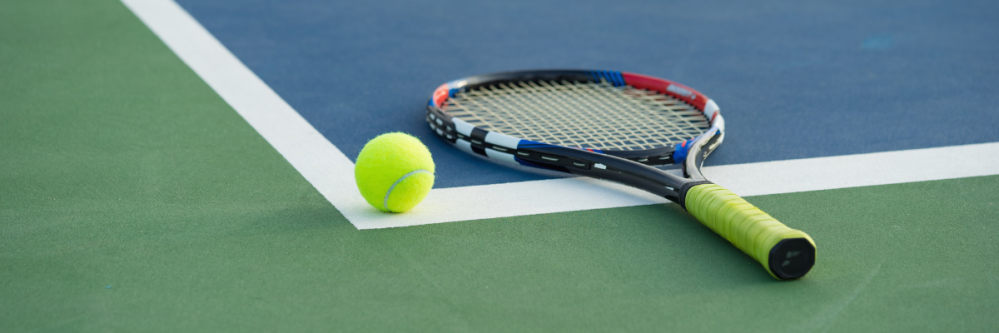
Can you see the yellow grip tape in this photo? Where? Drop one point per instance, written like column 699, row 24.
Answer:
column 747, row 227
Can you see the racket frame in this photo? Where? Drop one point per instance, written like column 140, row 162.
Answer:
column 630, row 167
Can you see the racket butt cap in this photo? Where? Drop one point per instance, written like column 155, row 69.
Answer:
column 792, row 258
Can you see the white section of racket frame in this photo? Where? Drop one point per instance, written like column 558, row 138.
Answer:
column 331, row 172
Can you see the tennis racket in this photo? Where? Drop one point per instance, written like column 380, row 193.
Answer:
column 615, row 126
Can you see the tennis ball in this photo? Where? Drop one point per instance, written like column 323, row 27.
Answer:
column 394, row 172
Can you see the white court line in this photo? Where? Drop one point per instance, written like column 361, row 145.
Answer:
column 330, row 171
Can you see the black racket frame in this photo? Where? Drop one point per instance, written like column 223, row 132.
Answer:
column 631, row 167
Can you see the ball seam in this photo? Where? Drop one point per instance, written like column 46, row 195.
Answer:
column 397, row 181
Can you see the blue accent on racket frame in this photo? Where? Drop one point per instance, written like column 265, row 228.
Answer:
column 614, row 77
column 533, row 144
column 680, row 154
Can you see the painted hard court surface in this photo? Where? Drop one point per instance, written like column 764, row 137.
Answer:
column 134, row 198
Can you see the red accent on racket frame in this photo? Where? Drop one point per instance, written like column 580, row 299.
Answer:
column 440, row 95
column 684, row 93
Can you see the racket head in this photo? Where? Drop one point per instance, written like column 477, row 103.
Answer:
column 644, row 119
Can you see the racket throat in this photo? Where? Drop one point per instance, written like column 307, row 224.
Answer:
column 682, row 192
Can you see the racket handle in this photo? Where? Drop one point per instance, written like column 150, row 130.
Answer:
column 785, row 253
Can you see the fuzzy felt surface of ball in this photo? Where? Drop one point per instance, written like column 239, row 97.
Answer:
column 394, row 172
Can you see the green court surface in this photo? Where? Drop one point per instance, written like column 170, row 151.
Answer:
column 133, row 198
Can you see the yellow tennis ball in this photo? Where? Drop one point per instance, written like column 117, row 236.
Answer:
column 394, row 172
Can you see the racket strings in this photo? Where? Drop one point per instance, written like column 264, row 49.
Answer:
column 576, row 114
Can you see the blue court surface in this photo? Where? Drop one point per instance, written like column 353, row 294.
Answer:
column 794, row 80
column 837, row 95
